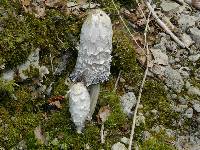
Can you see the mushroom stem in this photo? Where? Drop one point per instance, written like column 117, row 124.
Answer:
column 94, row 90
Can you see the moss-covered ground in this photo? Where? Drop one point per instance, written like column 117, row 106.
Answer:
column 22, row 109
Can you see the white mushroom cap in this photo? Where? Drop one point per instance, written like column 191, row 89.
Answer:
column 79, row 102
column 94, row 56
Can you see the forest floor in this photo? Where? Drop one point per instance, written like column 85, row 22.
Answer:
column 38, row 51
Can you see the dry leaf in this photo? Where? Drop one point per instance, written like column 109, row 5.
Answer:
column 141, row 53
column 56, row 101
column 25, row 2
column 56, row 98
column 103, row 114
column 57, row 104
column 39, row 12
column 141, row 22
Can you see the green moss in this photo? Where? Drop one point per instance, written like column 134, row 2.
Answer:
column 7, row 89
column 23, row 33
column 154, row 97
column 32, row 72
column 117, row 117
column 156, row 144
column 124, row 59
column 16, row 128
column 109, row 7
column 56, row 34
column 60, row 88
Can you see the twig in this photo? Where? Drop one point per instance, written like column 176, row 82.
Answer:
column 121, row 18
column 51, row 60
column 117, row 81
column 167, row 30
column 102, row 133
column 141, row 87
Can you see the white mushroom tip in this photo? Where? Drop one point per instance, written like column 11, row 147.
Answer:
column 79, row 130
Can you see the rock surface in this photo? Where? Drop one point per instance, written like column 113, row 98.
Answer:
column 173, row 79
column 119, row 146
column 128, row 101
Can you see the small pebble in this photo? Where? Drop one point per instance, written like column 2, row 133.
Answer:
column 125, row 140
column 189, row 113
column 122, row 80
column 119, row 146
column 196, row 107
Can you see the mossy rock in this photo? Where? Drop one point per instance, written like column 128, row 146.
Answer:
column 23, row 33
column 154, row 96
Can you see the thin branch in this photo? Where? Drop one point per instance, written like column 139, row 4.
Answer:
column 51, row 60
column 141, row 87
column 167, row 30
column 117, row 81
column 102, row 134
column 121, row 18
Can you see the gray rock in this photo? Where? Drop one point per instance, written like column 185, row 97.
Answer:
column 21, row 146
column 195, row 34
column 146, row 135
column 122, row 80
column 92, row 5
column 185, row 72
column 171, row 45
column 43, row 70
column 173, row 79
column 189, row 113
column 193, row 91
column 125, row 140
column 158, row 69
column 174, row 96
column 197, row 74
column 182, row 100
column 161, row 45
column 169, row 6
column 198, row 119
column 187, row 40
column 128, row 101
column 160, row 58
column 119, row 146
column 181, row 108
column 194, row 58
column 71, row 4
column 33, row 60
column 170, row 132
column 154, row 111
column 140, row 119
column 8, row 75
column 186, row 21
column 157, row 129
column 196, row 107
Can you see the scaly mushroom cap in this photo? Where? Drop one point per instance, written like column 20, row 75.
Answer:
column 94, row 56
column 79, row 102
